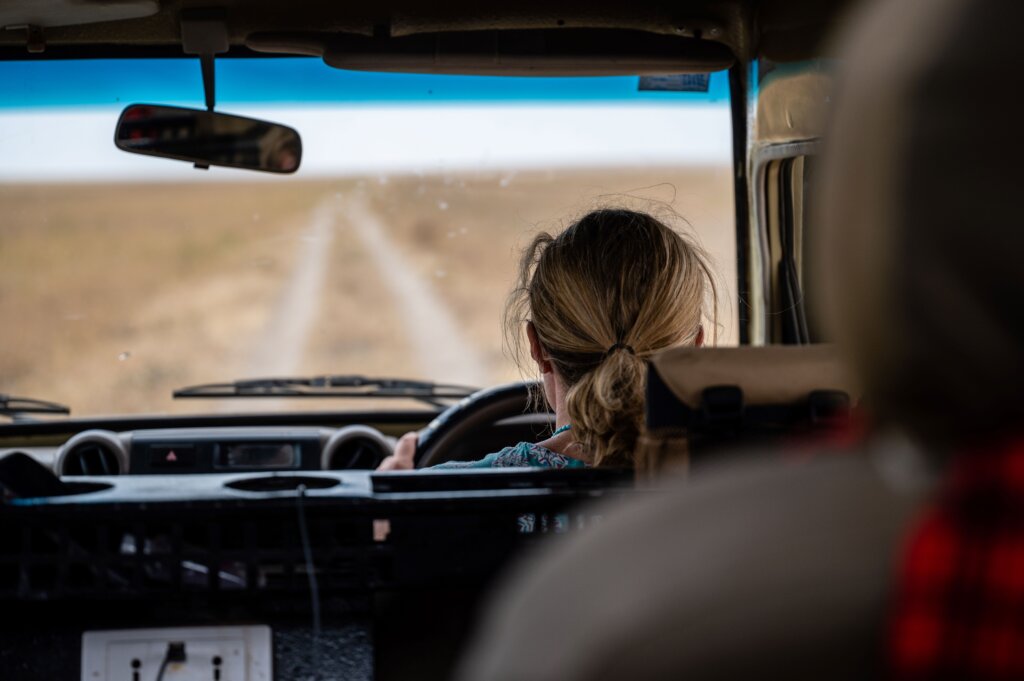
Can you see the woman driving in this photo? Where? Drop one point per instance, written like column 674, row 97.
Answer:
column 595, row 302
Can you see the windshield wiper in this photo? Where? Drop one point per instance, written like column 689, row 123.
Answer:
column 15, row 407
column 331, row 386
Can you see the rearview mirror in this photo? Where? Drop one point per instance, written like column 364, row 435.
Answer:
column 208, row 138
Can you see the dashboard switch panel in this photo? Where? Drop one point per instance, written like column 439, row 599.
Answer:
column 172, row 457
column 198, row 653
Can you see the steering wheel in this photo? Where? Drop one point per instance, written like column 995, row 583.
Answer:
column 463, row 418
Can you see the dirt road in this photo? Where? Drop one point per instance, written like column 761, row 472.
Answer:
column 124, row 293
column 434, row 335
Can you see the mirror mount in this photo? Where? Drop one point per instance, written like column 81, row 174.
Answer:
column 35, row 41
column 209, row 80
column 204, row 33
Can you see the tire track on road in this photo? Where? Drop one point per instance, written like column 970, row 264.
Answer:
column 280, row 348
column 439, row 347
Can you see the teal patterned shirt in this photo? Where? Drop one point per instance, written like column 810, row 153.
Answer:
column 522, row 455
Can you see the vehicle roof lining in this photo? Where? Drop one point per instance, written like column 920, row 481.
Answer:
column 788, row 29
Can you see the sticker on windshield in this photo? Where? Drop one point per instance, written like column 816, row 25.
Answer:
column 683, row 82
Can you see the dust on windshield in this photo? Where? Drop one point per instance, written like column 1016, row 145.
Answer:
column 389, row 253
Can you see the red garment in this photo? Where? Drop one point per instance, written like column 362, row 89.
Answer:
column 958, row 608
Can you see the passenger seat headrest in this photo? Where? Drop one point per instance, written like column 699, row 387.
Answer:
column 773, row 374
column 704, row 401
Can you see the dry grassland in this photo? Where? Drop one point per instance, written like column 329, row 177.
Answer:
column 113, row 295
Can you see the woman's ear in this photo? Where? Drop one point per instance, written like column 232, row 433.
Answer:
column 699, row 340
column 537, row 350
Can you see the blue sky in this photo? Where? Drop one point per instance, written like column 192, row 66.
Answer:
column 302, row 80
column 57, row 119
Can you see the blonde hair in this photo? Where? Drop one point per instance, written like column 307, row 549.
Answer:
column 604, row 295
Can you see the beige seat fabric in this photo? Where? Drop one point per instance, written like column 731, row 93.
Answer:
column 755, row 572
column 767, row 375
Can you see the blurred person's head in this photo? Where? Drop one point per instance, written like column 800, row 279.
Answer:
column 922, row 205
column 597, row 301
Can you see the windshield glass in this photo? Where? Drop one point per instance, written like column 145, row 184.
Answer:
column 389, row 253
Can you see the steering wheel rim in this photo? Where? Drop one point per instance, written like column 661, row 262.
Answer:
column 455, row 423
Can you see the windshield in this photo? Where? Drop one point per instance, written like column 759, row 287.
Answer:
column 389, row 253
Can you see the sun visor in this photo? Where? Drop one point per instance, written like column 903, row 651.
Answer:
column 48, row 13
column 542, row 52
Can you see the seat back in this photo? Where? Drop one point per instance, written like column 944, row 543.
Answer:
column 702, row 400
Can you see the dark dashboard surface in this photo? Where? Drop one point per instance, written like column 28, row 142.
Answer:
column 401, row 560
column 222, row 519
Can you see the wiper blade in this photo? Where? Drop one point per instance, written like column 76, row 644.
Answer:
column 330, row 386
column 16, row 406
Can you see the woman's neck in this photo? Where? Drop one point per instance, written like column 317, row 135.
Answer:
column 554, row 392
column 561, row 416
column 564, row 442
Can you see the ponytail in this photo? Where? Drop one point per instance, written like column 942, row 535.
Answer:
column 605, row 407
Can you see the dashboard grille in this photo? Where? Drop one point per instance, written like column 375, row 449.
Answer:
column 227, row 550
column 144, row 555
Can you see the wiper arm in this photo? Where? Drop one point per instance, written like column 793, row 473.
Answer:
column 330, row 386
column 16, row 406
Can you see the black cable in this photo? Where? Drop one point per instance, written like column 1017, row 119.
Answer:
column 307, row 553
column 163, row 668
column 175, row 653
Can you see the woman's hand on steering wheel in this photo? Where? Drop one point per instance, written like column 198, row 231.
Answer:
column 404, row 456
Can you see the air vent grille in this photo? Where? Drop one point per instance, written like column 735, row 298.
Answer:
column 357, row 453
column 91, row 458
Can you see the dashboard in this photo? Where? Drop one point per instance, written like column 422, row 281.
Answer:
column 241, row 443
column 221, row 450
column 337, row 574
column 159, row 526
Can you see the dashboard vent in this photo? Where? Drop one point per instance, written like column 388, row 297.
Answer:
column 91, row 458
column 355, row 453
